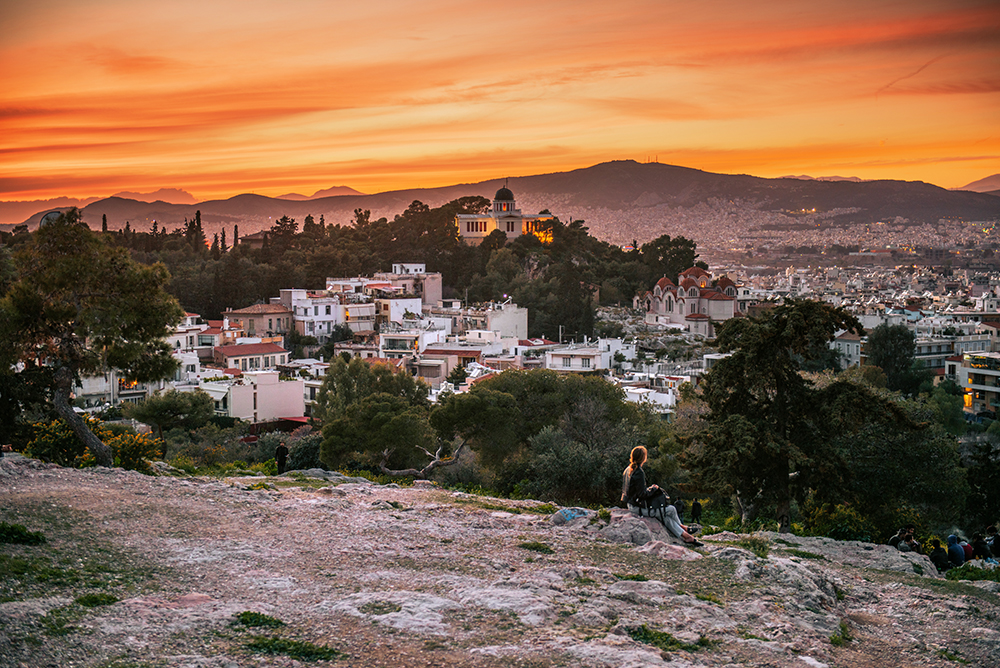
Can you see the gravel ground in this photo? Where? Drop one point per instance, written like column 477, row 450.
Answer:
column 419, row 576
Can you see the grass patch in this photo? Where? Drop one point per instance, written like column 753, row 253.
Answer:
column 537, row 509
column 704, row 576
column 380, row 607
column 535, row 546
column 709, row 597
column 951, row 656
column 295, row 649
column 76, row 558
column 96, row 600
column 759, row 545
column 782, row 541
column 59, row 621
column 258, row 619
column 18, row 534
column 970, row 572
column 665, row 641
column 804, row 554
column 638, row 577
column 377, row 478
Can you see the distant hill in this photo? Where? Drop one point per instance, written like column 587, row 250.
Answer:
column 170, row 195
column 620, row 201
column 12, row 213
column 989, row 184
column 328, row 192
column 805, row 177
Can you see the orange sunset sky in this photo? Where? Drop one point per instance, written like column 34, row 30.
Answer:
column 230, row 96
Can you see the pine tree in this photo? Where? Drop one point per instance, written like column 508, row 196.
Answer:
column 222, row 241
column 104, row 223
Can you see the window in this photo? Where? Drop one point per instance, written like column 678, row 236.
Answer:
column 315, row 310
column 312, row 393
column 328, row 309
column 586, row 362
column 567, row 362
column 269, row 325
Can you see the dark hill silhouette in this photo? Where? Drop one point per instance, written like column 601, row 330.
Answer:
column 619, row 200
column 326, row 192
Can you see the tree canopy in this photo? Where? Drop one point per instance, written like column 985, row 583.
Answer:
column 892, row 348
column 170, row 409
column 80, row 306
column 560, row 281
column 762, row 418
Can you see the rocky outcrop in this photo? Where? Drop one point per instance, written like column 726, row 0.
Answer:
column 421, row 576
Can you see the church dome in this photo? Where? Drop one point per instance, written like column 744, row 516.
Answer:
column 504, row 195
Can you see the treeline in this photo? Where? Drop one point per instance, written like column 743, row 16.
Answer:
column 561, row 282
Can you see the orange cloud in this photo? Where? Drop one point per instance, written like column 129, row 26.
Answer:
column 223, row 96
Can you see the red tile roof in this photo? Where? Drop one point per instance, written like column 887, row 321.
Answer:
column 695, row 271
column 665, row 283
column 260, row 309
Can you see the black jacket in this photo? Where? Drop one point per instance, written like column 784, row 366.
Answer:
column 637, row 490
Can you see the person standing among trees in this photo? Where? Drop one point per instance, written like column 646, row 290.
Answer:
column 696, row 512
column 280, row 455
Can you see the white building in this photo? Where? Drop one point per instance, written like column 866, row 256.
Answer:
column 504, row 216
column 578, row 358
column 507, row 318
column 408, row 342
column 259, row 396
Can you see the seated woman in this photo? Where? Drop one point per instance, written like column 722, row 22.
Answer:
column 635, row 492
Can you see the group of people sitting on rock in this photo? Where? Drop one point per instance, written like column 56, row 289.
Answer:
column 652, row 501
column 985, row 546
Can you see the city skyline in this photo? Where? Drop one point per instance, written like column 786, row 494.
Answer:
column 219, row 97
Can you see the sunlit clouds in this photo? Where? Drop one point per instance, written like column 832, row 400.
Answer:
column 223, row 97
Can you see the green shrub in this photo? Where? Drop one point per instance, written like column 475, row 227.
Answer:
column 184, row 463
column 842, row 636
column 537, row 547
column 840, row 522
column 628, row 576
column 270, row 467
column 18, row 534
column 55, row 442
column 303, row 453
column 134, row 451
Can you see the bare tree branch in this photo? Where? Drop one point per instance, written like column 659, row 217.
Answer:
column 424, row 472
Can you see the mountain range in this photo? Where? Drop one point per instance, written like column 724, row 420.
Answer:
column 620, row 201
